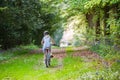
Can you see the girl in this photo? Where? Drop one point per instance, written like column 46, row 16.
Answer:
column 46, row 42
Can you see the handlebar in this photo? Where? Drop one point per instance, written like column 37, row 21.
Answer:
column 54, row 45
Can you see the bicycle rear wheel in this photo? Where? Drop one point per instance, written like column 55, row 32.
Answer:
column 47, row 57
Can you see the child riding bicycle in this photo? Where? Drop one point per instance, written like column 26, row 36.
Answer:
column 46, row 42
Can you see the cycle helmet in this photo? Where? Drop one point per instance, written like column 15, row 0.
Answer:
column 46, row 32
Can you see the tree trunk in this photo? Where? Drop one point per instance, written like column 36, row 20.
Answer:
column 89, row 18
column 106, row 25
column 116, row 9
column 97, row 28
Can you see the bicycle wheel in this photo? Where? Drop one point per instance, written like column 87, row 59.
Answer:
column 46, row 61
column 49, row 59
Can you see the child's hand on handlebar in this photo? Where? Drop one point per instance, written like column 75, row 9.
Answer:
column 54, row 44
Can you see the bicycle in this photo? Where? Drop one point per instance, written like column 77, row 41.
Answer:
column 48, row 55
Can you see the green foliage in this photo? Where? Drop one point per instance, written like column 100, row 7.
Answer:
column 69, row 49
column 2, row 8
column 77, row 5
column 108, row 23
column 23, row 22
column 91, row 5
column 102, row 49
column 30, row 46
column 101, row 75
column 116, row 33
column 18, row 22
column 17, row 51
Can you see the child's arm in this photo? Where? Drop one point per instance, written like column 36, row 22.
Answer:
column 53, row 42
column 42, row 42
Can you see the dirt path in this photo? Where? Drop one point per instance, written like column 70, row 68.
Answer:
column 61, row 50
column 83, row 52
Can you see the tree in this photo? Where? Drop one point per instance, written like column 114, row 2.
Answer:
column 90, row 8
column 19, row 19
column 23, row 21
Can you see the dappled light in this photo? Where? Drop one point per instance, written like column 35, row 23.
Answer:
column 60, row 40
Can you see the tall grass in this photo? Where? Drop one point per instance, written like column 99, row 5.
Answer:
column 17, row 51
